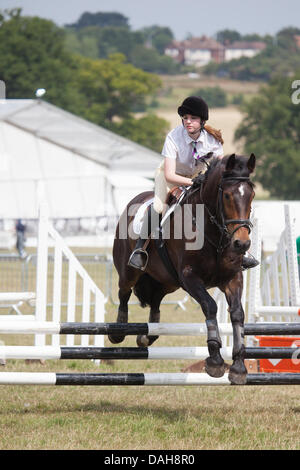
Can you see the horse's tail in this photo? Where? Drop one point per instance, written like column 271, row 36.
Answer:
column 145, row 288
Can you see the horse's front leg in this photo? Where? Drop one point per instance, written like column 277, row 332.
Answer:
column 233, row 292
column 214, row 364
column 122, row 317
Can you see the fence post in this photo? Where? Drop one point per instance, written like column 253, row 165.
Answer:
column 254, row 282
column 292, row 257
column 42, row 271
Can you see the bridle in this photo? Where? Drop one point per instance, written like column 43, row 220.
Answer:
column 219, row 219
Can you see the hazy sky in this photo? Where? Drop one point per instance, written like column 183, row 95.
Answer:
column 196, row 17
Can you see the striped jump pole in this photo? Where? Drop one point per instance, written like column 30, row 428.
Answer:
column 169, row 329
column 45, row 378
column 94, row 352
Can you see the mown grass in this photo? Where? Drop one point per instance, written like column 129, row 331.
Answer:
column 161, row 417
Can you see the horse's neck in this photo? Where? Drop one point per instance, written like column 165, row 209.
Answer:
column 209, row 193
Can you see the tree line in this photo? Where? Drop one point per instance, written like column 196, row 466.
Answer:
column 97, row 35
column 33, row 54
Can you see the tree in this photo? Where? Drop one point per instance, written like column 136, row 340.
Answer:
column 158, row 37
column 32, row 55
column 271, row 130
column 149, row 131
column 101, row 19
column 228, row 36
column 151, row 61
column 112, row 88
column 286, row 38
column 214, row 96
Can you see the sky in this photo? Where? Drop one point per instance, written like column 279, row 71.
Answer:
column 196, row 17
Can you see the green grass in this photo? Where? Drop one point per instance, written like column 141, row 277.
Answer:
column 161, row 417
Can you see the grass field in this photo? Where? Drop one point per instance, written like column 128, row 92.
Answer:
column 161, row 417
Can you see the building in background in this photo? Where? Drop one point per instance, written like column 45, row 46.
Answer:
column 239, row 49
column 200, row 51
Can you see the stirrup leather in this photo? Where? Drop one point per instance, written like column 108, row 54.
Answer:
column 138, row 251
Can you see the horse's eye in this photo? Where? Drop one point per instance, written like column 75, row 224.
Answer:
column 226, row 196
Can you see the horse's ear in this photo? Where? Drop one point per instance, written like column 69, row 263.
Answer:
column 230, row 163
column 251, row 162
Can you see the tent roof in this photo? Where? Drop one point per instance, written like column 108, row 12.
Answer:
column 52, row 124
column 84, row 170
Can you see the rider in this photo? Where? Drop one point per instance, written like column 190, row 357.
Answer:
column 182, row 150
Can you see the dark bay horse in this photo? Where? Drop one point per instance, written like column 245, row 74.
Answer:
column 226, row 193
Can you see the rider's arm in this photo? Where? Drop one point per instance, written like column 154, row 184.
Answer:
column 171, row 176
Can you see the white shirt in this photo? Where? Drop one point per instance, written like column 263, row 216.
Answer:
column 178, row 145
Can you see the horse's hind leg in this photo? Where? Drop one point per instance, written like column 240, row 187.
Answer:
column 154, row 317
column 124, row 296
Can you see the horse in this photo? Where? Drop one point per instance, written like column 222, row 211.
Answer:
column 225, row 192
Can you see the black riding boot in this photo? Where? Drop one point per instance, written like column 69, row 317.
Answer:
column 249, row 262
column 139, row 257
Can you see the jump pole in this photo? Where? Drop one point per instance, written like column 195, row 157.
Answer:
column 167, row 329
column 45, row 378
column 116, row 353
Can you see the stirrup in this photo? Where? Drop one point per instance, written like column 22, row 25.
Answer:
column 138, row 251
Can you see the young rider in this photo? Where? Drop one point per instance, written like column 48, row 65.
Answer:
column 182, row 150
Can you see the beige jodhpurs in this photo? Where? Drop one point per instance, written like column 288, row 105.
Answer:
column 161, row 189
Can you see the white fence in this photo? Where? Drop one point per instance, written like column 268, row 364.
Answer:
column 79, row 284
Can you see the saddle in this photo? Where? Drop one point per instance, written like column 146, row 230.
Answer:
column 174, row 195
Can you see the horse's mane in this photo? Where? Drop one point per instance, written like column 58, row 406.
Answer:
column 240, row 169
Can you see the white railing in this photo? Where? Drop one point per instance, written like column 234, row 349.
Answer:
column 89, row 290
column 280, row 293
column 79, row 284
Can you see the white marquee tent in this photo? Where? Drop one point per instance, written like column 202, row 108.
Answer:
column 85, row 171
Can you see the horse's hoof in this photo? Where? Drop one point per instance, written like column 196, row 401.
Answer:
column 237, row 379
column 144, row 341
column 214, row 370
column 116, row 339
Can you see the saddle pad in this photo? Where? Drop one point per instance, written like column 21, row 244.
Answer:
column 138, row 218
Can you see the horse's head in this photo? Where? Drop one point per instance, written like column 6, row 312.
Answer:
column 235, row 197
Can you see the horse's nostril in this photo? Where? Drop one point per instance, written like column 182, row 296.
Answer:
column 241, row 245
column 237, row 244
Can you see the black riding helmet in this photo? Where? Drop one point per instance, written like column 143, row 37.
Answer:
column 194, row 105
